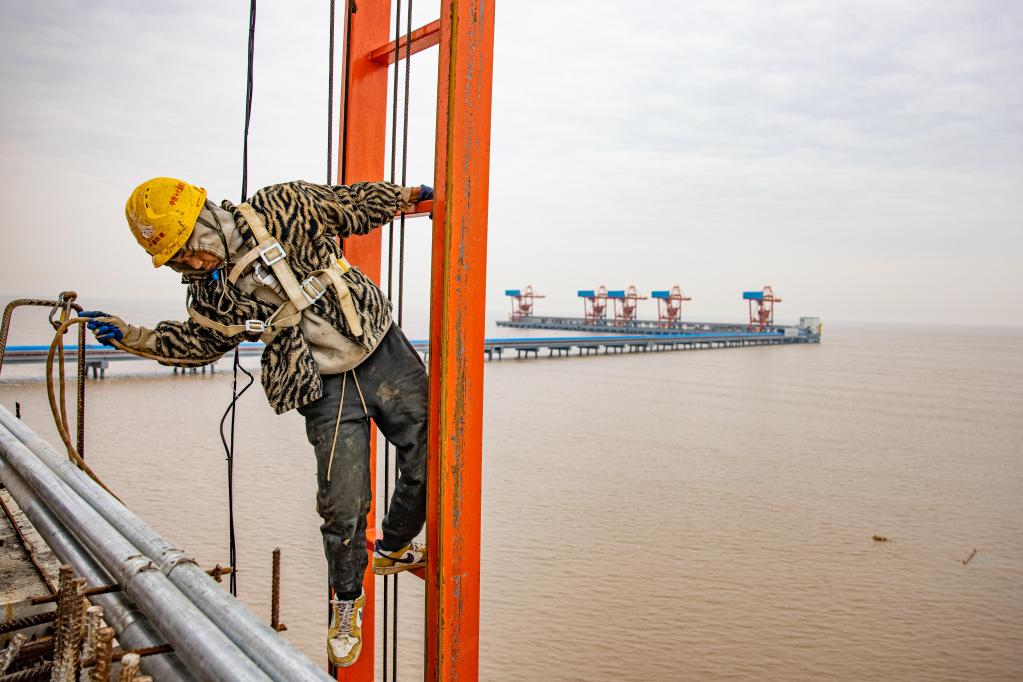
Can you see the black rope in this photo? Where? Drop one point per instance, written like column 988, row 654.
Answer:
column 331, row 668
column 232, row 408
column 390, row 291
column 330, row 97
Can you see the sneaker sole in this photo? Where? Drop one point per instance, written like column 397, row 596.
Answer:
column 334, row 662
column 396, row 568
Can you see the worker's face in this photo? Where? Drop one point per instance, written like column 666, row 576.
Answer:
column 196, row 260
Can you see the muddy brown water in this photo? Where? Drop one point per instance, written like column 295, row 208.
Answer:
column 689, row 515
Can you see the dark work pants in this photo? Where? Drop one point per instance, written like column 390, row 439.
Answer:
column 394, row 384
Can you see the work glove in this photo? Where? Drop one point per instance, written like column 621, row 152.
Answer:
column 105, row 326
column 410, row 196
column 109, row 328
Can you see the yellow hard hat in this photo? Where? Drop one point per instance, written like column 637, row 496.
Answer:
column 161, row 214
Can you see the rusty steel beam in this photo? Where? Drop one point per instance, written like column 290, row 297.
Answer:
column 362, row 148
column 457, row 321
column 422, row 38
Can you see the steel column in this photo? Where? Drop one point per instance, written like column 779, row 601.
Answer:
column 457, row 323
column 362, row 148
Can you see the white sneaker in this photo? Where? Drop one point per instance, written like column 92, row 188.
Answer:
column 412, row 555
column 344, row 637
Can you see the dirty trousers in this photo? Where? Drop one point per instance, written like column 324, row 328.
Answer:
column 394, row 385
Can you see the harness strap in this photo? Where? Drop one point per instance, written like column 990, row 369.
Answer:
column 344, row 295
column 267, row 330
column 243, row 262
column 273, row 254
column 300, row 296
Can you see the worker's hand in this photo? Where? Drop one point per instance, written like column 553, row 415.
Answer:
column 106, row 327
column 410, row 196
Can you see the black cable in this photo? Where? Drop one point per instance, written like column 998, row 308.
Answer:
column 248, row 100
column 331, row 668
column 390, row 292
column 232, row 408
column 330, row 96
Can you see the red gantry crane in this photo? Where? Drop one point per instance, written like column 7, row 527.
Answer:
column 669, row 305
column 594, row 304
column 761, row 308
column 522, row 302
column 626, row 302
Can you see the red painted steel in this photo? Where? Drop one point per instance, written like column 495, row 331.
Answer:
column 362, row 148
column 458, row 300
column 522, row 304
column 669, row 310
column 761, row 317
column 595, row 307
column 422, row 38
column 627, row 308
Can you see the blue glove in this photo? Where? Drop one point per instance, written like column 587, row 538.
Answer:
column 425, row 192
column 106, row 327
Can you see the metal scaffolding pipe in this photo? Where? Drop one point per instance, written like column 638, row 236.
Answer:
column 134, row 631
column 275, row 655
column 208, row 652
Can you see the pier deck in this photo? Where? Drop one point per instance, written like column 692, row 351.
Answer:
column 98, row 357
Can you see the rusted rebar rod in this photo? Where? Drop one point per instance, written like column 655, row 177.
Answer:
column 70, row 617
column 101, row 660
column 275, row 593
column 214, row 572
column 118, row 654
column 27, row 622
column 129, row 667
column 39, row 672
column 12, row 650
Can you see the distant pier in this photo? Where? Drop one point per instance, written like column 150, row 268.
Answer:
column 706, row 336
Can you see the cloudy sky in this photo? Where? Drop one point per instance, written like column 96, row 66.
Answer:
column 865, row 158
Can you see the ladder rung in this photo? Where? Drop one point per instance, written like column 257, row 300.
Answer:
column 422, row 38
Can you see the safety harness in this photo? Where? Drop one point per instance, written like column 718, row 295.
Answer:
column 269, row 252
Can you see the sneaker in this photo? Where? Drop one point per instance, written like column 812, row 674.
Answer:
column 344, row 638
column 412, row 555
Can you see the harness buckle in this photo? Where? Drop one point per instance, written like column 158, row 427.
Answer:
column 273, row 253
column 255, row 326
column 262, row 275
column 312, row 289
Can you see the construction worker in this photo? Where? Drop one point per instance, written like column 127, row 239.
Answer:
column 271, row 269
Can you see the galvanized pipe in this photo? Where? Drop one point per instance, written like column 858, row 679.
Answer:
column 269, row 650
column 134, row 631
column 208, row 652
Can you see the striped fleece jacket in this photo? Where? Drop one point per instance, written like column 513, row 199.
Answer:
column 306, row 218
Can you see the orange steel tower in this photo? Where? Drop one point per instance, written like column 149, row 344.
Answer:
column 626, row 303
column 669, row 305
column 761, row 308
column 594, row 304
column 465, row 36
column 522, row 301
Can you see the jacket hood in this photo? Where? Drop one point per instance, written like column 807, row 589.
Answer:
column 207, row 238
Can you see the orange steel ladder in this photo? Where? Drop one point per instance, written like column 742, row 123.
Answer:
column 465, row 36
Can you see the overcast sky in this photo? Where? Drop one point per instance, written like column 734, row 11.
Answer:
column 865, row 158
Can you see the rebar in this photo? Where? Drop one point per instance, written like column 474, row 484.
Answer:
column 104, row 646
column 29, row 548
column 27, row 622
column 131, row 626
column 10, row 653
column 208, row 652
column 278, row 658
column 70, row 612
column 275, row 593
column 39, row 672
column 93, row 623
column 129, row 667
